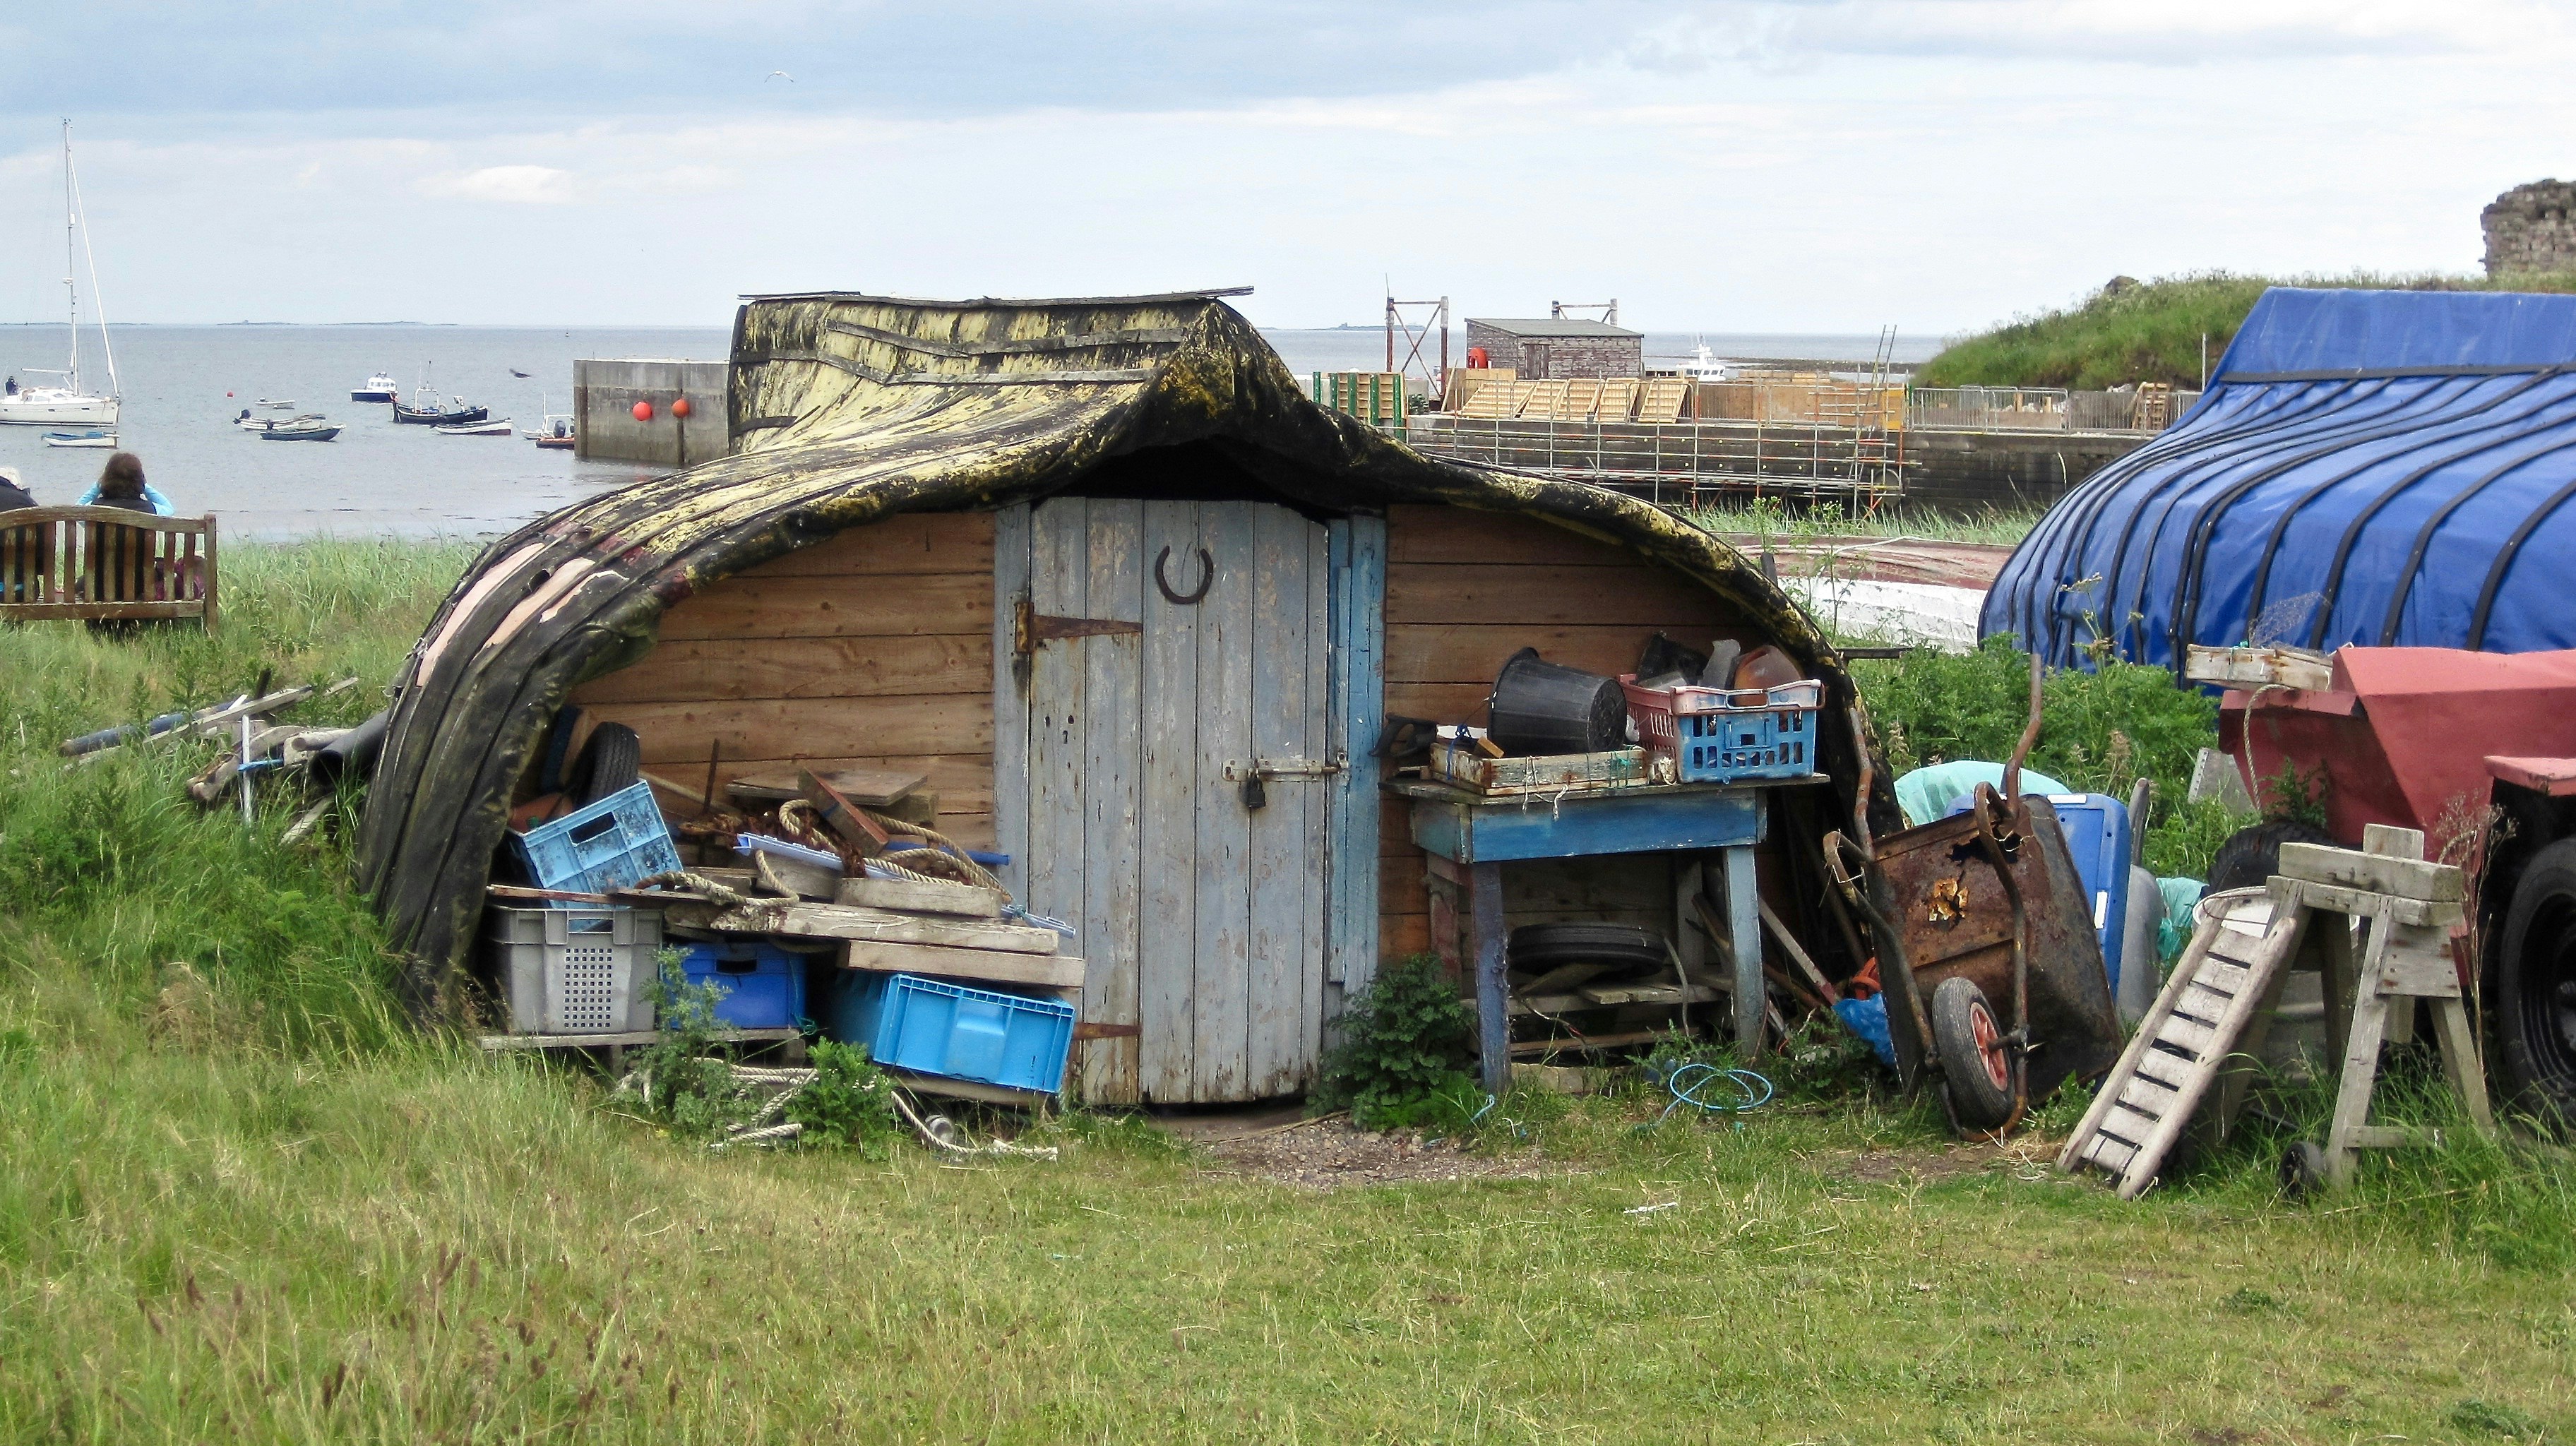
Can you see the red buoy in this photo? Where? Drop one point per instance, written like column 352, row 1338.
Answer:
column 643, row 411
column 680, row 407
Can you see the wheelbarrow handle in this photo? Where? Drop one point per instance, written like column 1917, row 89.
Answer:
column 2029, row 736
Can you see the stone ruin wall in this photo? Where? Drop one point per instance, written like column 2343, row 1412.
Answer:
column 2532, row 228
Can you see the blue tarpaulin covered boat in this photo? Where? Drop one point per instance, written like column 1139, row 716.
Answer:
column 2373, row 467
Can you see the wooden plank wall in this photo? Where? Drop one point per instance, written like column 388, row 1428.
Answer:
column 874, row 649
column 1464, row 591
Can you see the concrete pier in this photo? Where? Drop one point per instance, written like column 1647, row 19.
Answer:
column 604, row 394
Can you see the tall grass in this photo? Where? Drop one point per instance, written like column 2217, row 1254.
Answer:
column 2152, row 331
column 1767, row 518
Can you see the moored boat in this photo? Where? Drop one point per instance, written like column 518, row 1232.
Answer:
column 301, row 429
column 67, row 405
column 556, row 434
column 477, row 427
column 94, row 437
column 379, row 388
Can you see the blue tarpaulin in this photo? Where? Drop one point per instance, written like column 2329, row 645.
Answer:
column 2373, row 467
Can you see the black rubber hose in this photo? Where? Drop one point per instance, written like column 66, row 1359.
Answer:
column 352, row 754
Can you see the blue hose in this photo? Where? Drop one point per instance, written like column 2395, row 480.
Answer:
column 1688, row 1082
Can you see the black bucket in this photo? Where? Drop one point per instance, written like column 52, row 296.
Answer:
column 1538, row 707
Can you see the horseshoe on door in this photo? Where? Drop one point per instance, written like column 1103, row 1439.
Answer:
column 1207, row 566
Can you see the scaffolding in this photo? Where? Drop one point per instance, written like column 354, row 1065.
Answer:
column 1682, row 464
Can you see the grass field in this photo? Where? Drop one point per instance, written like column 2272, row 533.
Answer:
column 240, row 1203
column 2152, row 331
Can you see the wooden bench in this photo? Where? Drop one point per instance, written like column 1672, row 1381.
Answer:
column 105, row 563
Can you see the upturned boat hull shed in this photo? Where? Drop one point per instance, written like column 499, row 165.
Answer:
column 1264, row 581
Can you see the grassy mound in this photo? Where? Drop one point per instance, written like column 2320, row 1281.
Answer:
column 2133, row 331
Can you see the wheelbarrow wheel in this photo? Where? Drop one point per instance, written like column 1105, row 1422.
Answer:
column 1974, row 1068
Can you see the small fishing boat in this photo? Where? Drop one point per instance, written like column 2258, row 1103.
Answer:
column 556, row 434
column 249, row 423
column 454, row 413
column 424, row 408
column 276, row 406
column 379, row 388
column 500, row 428
column 301, row 429
column 94, row 437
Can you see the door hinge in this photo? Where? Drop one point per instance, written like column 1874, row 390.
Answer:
column 1029, row 627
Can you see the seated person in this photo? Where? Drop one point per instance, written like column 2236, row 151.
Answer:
column 24, row 551
column 121, row 484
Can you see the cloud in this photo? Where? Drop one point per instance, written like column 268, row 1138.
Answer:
column 508, row 185
column 1775, row 34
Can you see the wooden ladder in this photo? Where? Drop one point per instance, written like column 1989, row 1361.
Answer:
column 2183, row 1044
column 2232, row 972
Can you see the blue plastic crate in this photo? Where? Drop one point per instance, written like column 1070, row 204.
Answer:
column 764, row 985
column 935, row 1027
column 601, row 846
column 1724, row 737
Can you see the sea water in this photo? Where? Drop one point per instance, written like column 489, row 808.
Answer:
column 183, row 387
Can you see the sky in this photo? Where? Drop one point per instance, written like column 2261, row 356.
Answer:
column 1718, row 165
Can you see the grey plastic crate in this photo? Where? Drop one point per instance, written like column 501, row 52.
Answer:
column 581, row 970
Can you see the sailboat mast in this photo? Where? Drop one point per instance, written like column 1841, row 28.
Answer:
column 71, row 256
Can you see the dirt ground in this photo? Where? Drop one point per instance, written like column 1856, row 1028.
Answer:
column 1327, row 1154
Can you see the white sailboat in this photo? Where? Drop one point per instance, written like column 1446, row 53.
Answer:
column 66, row 405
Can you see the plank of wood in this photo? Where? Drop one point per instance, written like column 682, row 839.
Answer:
column 701, row 670
column 1168, row 828
column 1287, row 696
column 2169, row 1070
column 911, row 542
column 1419, row 533
column 790, row 728
column 1589, row 1044
column 1008, row 768
column 904, row 896
column 2337, row 899
column 1513, row 593
column 866, row 787
column 1114, row 586
column 989, row 965
column 1815, row 977
column 968, row 1089
column 1356, row 557
column 1474, row 653
column 2372, row 873
column 628, row 1039
column 837, row 921
column 954, row 604
column 840, row 815
column 2187, row 1034
column 1222, row 864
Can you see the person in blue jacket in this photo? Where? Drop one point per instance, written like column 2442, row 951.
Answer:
column 121, row 484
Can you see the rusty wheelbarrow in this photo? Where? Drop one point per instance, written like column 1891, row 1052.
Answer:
column 1996, row 990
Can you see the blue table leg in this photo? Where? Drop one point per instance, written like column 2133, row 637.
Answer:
column 1493, row 990
column 1744, row 928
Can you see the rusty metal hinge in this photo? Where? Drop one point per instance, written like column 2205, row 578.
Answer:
column 1029, row 627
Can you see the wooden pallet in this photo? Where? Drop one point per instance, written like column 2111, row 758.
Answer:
column 1660, row 400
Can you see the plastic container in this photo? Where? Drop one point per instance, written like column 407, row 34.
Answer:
column 934, row 1027
column 1538, row 707
column 764, row 985
column 575, row 970
column 1723, row 735
column 606, row 845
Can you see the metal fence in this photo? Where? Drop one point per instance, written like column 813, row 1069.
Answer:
column 1679, row 462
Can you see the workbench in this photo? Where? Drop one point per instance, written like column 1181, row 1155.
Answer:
column 1478, row 833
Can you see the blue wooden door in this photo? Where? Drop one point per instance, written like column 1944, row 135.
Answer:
column 1202, row 911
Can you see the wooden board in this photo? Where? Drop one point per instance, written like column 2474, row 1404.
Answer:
column 1521, row 593
column 1545, row 774
column 790, row 728
column 835, row 921
column 2373, row 873
column 959, row 604
column 906, row 896
column 919, row 542
column 866, row 787
column 709, row 669
column 989, row 966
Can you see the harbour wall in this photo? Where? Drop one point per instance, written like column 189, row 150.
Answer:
column 604, row 394
column 1969, row 472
